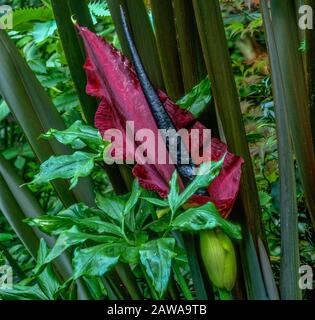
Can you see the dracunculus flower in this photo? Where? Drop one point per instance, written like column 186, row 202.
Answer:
column 112, row 79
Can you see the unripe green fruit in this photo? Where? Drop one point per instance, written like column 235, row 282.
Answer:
column 219, row 257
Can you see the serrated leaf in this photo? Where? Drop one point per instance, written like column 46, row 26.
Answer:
column 156, row 256
column 99, row 9
column 23, row 16
column 79, row 164
column 205, row 217
column 197, row 100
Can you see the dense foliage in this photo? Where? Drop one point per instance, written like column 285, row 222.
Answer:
column 133, row 244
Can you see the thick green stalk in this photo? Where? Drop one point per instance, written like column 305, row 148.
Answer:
column 14, row 215
column 216, row 53
column 190, row 51
column 129, row 281
column 165, row 32
column 194, row 264
column 112, row 289
column 310, row 63
column 269, row 280
column 73, row 48
column 181, row 281
column 253, row 276
column 297, row 104
column 143, row 35
column 172, row 288
column 36, row 114
column 290, row 259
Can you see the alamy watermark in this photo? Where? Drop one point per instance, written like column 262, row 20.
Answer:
column 6, row 277
column 306, row 17
column 306, row 281
column 145, row 146
column 6, row 17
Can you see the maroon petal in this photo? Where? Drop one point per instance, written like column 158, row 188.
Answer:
column 112, row 78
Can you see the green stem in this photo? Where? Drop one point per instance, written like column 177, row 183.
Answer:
column 195, row 269
column 181, row 281
column 112, row 290
column 225, row 295
column 129, row 281
column 172, row 288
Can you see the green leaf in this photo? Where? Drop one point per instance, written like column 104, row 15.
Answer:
column 197, row 100
column 159, row 225
column 20, row 292
column 207, row 172
column 78, row 136
column 66, row 101
column 135, row 194
column 96, row 288
column 73, row 237
column 112, row 207
column 95, row 261
column 4, row 110
column 43, row 30
column 157, row 202
column 57, row 224
column 144, row 211
column 99, row 9
column 52, row 225
column 79, row 164
column 129, row 212
column 96, row 224
column 41, row 255
column 78, row 210
column 5, row 237
column 203, row 218
column 173, row 195
column 49, row 282
column 156, row 256
column 23, row 16
column 130, row 255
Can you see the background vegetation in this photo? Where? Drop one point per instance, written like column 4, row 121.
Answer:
column 36, row 36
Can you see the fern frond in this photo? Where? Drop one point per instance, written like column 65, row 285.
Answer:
column 23, row 16
column 99, row 9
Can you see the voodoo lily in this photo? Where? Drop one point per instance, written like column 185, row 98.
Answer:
column 112, row 78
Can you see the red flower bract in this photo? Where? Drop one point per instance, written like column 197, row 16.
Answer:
column 112, row 78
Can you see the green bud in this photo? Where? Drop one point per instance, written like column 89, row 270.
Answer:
column 219, row 257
